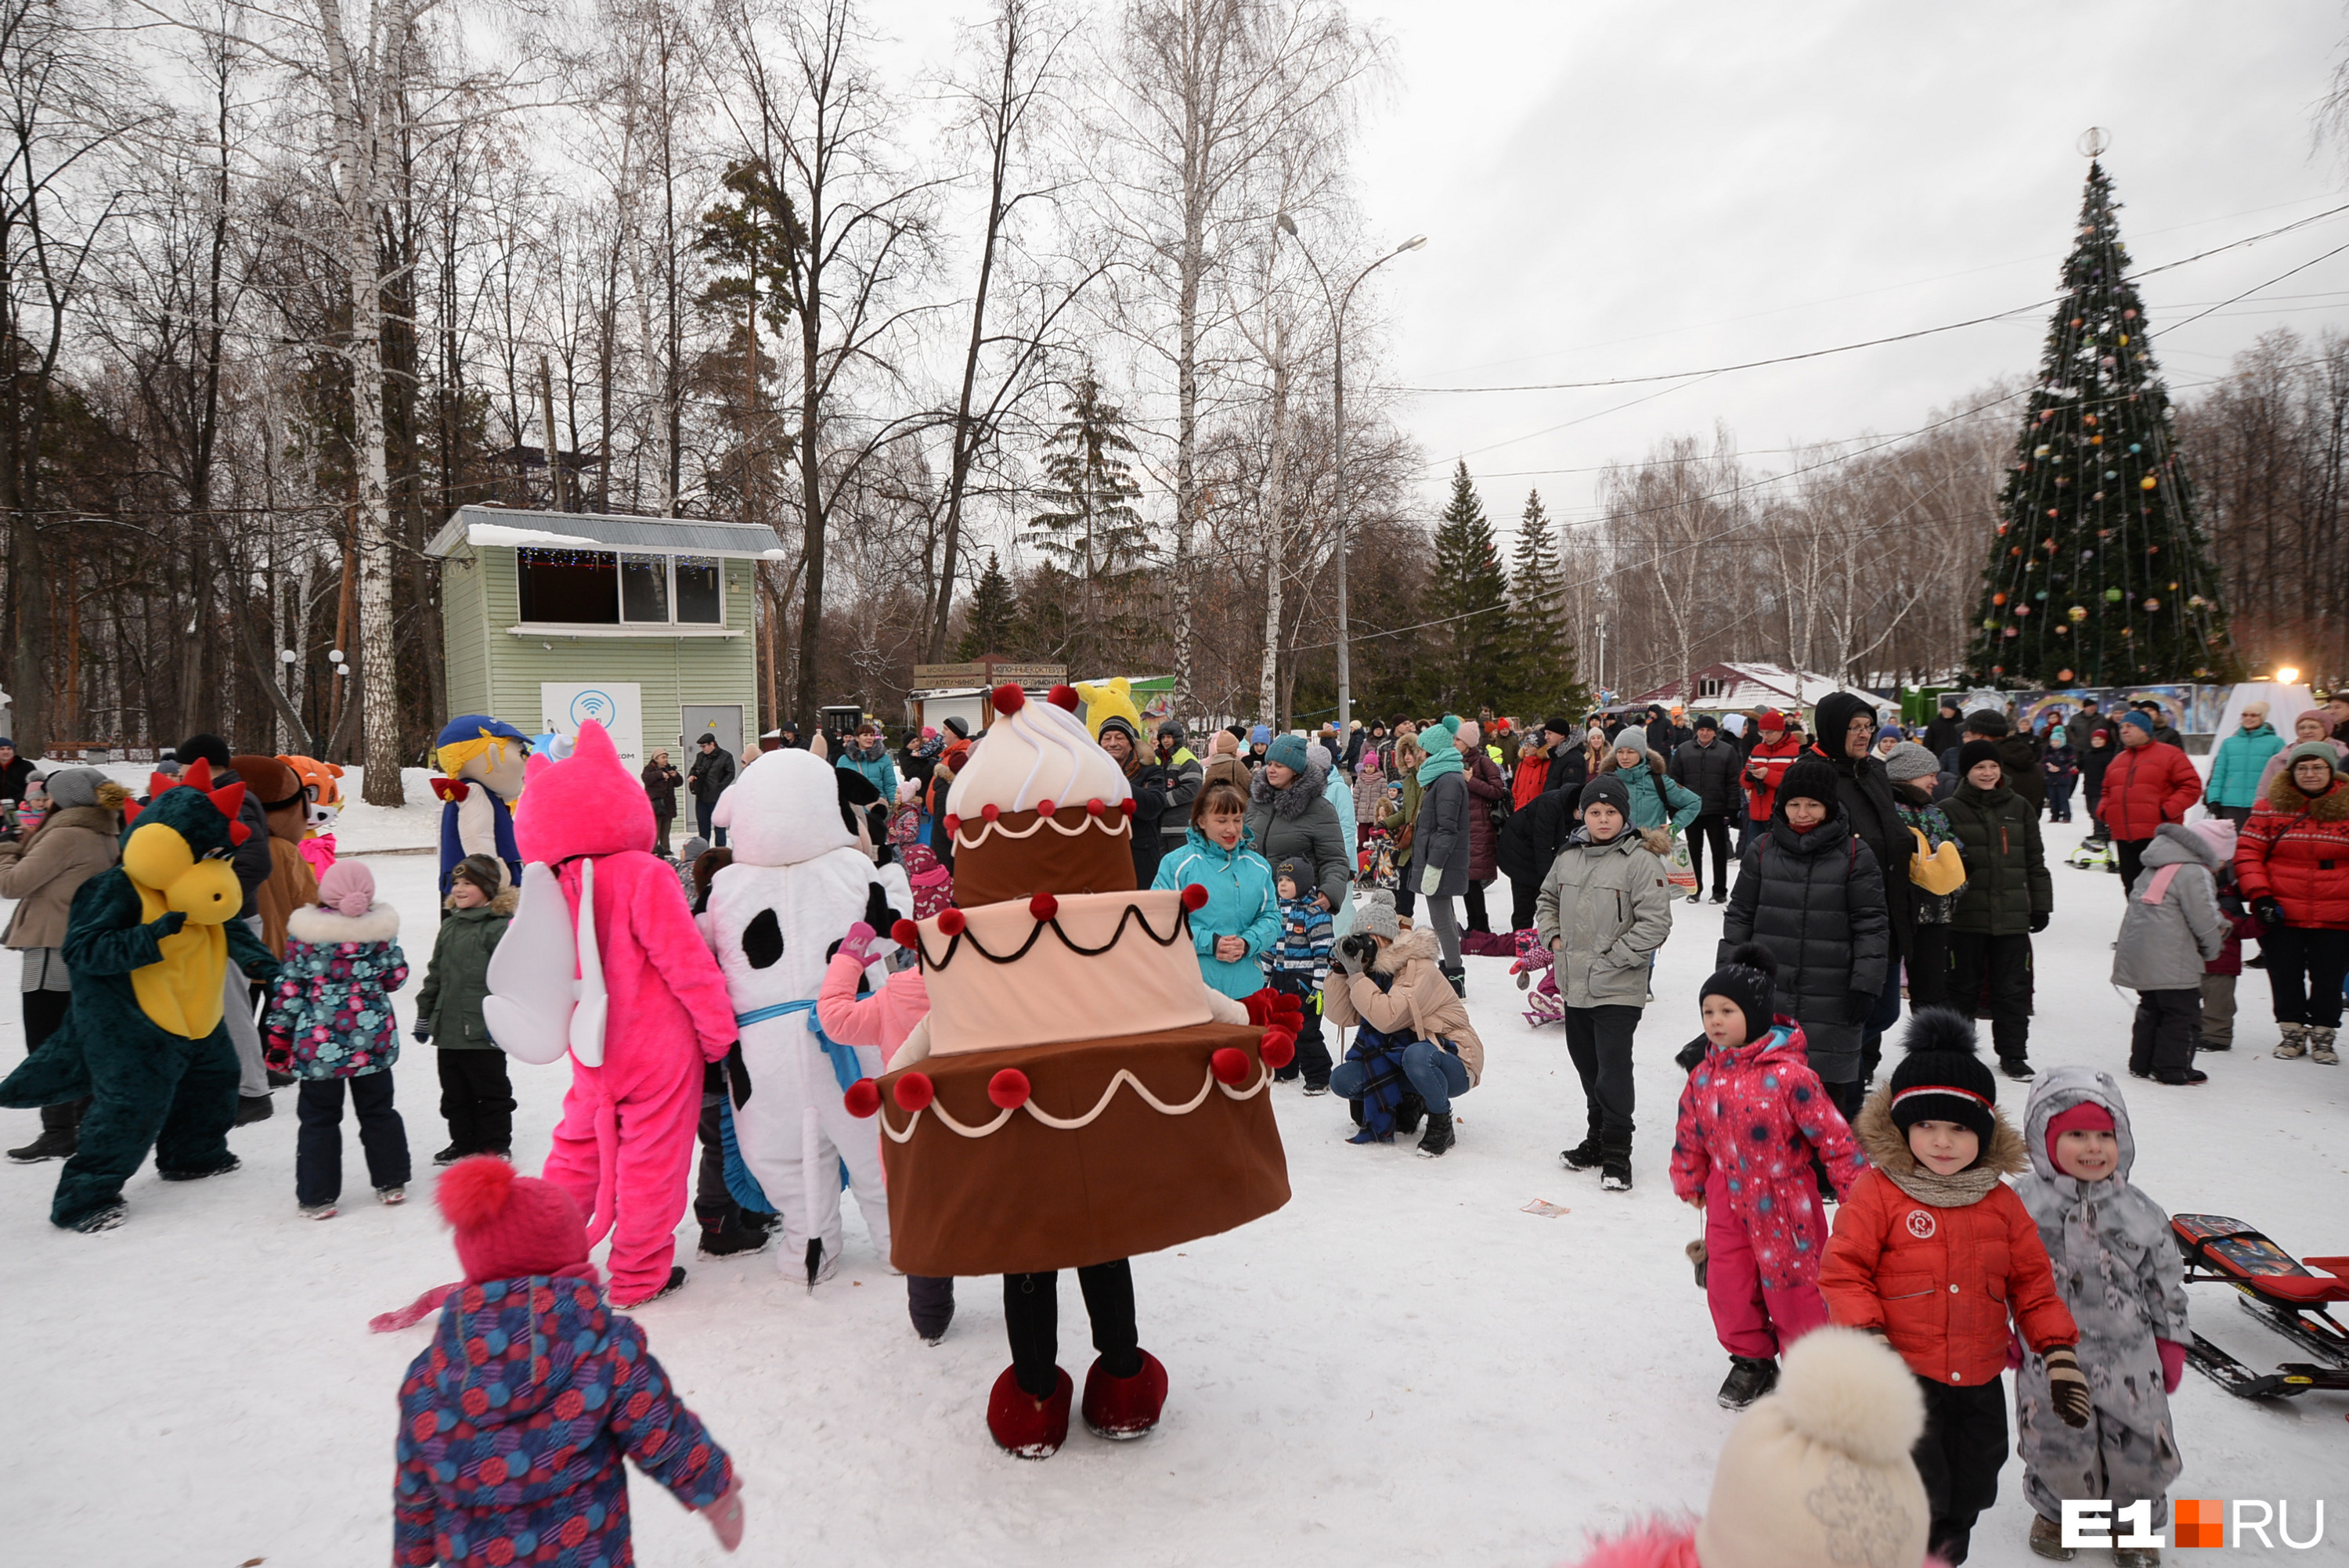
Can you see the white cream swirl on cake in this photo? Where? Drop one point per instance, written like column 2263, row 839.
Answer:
column 1038, row 807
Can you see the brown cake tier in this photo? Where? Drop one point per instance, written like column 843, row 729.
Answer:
column 1018, row 854
column 1022, row 1189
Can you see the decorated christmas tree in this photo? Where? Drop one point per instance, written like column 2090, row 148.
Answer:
column 2099, row 575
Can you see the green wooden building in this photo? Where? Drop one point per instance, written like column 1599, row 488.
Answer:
column 641, row 622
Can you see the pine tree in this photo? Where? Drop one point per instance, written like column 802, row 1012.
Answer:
column 1543, row 651
column 1469, row 649
column 994, row 616
column 1090, row 531
column 2099, row 574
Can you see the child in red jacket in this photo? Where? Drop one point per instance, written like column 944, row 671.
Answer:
column 1750, row 1115
column 1933, row 1251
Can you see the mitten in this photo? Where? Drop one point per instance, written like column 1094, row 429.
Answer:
column 858, row 944
column 2067, row 1385
column 1429, row 880
column 2269, row 910
column 423, row 1031
column 725, row 1517
column 2173, row 1363
column 2039, row 920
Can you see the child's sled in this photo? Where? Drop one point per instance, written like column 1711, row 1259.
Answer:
column 2093, row 855
column 2276, row 1287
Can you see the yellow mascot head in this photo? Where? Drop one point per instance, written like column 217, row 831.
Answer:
column 1105, row 700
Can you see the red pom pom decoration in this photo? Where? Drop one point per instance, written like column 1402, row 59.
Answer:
column 1231, row 1064
column 906, row 934
column 1258, row 1004
column 1194, row 897
column 864, row 1097
column 1063, row 695
column 989, row 812
column 1094, row 807
column 1279, row 1050
column 1046, row 808
column 1009, row 1088
column 1008, row 698
column 951, row 921
column 1126, row 805
column 953, row 823
column 1043, row 907
column 915, row 1091
column 1287, row 1007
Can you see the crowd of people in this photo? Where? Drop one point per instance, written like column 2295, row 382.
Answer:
column 1353, row 871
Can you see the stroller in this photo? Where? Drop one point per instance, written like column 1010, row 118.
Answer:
column 1543, row 1003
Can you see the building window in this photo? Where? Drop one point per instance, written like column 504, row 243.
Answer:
column 1708, row 687
column 700, row 591
column 575, row 587
column 643, row 588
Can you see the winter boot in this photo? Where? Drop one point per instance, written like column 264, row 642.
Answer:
column 2047, row 1540
column 2320, row 1047
column 51, row 1144
column 2294, row 1044
column 252, row 1108
column 1124, row 1408
column 1750, row 1378
column 675, row 1283
column 1354, row 1104
column 1440, row 1136
column 449, row 1156
column 929, row 1301
column 731, row 1236
column 2180, row 1077
column 1407, row 1112
column 2136, row 1557
column 1615, row 1163
column 1458, row 974
column 233, row 1163
column 1024, row 1426
column 2017, row 1068
column 1584, row 1155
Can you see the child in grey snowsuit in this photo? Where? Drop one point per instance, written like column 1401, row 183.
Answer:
column 2122, row 1280
column 2173, row 929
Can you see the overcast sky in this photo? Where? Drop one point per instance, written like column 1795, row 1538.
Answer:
column 1617, row 190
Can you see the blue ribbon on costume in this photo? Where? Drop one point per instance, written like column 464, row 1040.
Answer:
column 740, row 1184
column 845, row 1065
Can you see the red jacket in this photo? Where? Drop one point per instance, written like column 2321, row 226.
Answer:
column 1941, row 1284
column 2145, row 787
column 1526, row 784
column 2295, row 850
column 1763, row 798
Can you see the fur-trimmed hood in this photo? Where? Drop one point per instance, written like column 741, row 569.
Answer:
column 323, row 927
column 1417, row 942
column 1655, row 761
column 2286, row 796
column 1886, row 1148
column 1292, row 802
column 508, row 899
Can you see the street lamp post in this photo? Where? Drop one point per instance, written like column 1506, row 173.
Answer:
column 1338, row 439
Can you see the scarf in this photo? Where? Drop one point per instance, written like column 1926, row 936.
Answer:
column 1955, row 1191
column 1445, row 759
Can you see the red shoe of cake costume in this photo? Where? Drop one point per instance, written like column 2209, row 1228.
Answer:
column 1078, row 1094
column 797, row 879
column 629, row 990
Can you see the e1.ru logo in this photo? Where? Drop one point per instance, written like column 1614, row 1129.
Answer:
column 2199, row 1521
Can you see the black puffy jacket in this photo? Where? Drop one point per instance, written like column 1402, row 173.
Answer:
column 2020, row 759
column 2006, row 865
column 1710, row 773
column 1816, row 901
column 1533, row 835
column 1865, row 789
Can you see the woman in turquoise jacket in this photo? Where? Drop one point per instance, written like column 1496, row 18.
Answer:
column 1241, row 918
column 2235, row 767
column 1652, row 790
column 868, row 755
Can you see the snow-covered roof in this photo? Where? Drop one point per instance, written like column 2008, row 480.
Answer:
column 514, row 527
column 1746, row 685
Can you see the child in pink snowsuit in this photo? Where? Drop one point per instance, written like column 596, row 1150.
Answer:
column 624, row 1150
column 883, row 1020
column 1750, row 1116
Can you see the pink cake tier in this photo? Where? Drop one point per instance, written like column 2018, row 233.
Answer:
column 1055, row 968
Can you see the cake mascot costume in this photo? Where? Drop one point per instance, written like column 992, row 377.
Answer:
column 321, row 793
column 486, row 762
column 1077, row 1094
column 625, row 986
column 799, row 877
column 147, row 946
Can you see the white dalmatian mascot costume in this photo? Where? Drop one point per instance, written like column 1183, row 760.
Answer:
column 801, row 874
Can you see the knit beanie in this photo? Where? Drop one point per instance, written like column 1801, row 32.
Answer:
column 1261, row 734
column 2317, row 714
column 2138, row 717
column 1289, row 750
column 1471, row 732
column 1887, row 732
column 2219, row 834
column 1747, row 979
column 1608, row 787
column 1973, row 753
column 1320, row 755
column 2087, row 1116
column 2059, row 735
column 1909, row 760
column 74, row 786
column 1819, row 1472
column 1564, row 729
column 1810, row 776
column 1375, row 915
column 347, row 888
column 1986, row 721
column 1944, row 1078
column 2312, row 751
column 508, row 1227
column 1770, row 718
column 1295, row 870
column 1705, row 721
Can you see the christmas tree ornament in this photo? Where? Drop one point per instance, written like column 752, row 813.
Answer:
column 2112, row 595
column 2062, row 675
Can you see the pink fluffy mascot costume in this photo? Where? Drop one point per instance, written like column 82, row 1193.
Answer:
column 624, row 1148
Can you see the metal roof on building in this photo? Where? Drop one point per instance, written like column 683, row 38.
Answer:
column 515, row 528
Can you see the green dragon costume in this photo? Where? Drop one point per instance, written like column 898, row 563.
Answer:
column 147, row 944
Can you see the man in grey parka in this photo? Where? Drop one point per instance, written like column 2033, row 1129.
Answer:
column 2120, row 1275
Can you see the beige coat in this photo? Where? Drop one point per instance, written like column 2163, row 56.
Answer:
column 1421, row 1001
column 44, row 872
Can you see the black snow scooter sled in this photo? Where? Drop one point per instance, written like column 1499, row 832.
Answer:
column 2277, row 1288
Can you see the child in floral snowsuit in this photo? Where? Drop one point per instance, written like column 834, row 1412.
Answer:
column 330, row 1020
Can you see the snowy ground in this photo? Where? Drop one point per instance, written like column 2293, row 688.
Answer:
column 1400, row 1365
